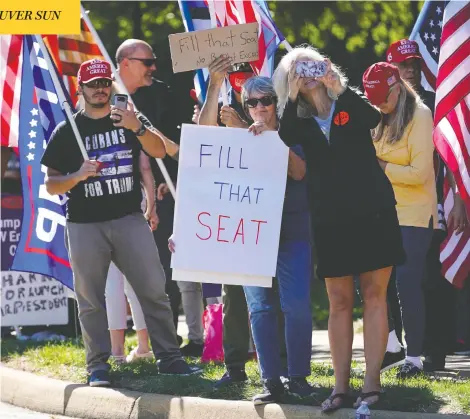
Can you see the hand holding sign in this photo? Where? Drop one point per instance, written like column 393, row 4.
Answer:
column 193, row 50
column 218, row 69
column 229, row 201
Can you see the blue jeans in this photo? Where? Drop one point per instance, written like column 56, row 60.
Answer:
column 293, row 275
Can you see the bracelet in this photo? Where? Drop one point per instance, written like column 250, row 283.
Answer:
column 141, row 130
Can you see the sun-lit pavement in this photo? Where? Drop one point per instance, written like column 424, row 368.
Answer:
column 12, row 412
column 321, row 350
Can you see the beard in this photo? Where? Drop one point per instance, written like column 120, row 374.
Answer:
column 98, row 105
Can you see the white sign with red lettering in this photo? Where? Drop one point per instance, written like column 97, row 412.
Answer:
column 229, row 201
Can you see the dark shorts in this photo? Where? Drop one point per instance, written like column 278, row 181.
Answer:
column 360, row 244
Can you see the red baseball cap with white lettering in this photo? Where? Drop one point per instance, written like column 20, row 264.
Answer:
column 94, row 69
column 377, row 80
column 402, row 50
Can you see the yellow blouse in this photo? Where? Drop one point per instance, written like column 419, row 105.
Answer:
column 410, row 169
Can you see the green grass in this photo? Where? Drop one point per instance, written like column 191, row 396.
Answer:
column 66, row 361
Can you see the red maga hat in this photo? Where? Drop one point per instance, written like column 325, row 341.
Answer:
column 402, row 50
column 94, row 69
column 377, row 80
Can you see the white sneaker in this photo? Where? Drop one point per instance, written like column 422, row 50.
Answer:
column 134, row 356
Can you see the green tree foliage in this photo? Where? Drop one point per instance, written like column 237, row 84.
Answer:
column 355, row 34
column 353, row 22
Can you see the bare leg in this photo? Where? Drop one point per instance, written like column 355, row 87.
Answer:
column 143, row 342
column 117, row 342
column 340, row 330
column 374, row 292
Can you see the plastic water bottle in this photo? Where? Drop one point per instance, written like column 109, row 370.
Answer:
column 363, row 411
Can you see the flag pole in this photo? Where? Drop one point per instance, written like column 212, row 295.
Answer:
column 62, row 99
column 223, row 88
column 103, row 50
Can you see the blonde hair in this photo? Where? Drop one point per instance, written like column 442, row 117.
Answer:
column 408, row 100
column 287, row 65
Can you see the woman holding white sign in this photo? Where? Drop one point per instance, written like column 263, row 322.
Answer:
column 352, row 203
column 293, row 267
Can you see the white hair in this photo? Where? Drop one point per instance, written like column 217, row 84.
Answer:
column 287, row 66
column 256, row 85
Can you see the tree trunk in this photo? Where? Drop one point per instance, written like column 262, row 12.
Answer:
column 137, row 21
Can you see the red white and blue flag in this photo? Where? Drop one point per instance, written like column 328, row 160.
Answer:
column 196, row 16
column 443, row 34
column 11, row 58
column 41, row 248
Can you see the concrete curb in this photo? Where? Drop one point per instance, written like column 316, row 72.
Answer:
column 57, row 397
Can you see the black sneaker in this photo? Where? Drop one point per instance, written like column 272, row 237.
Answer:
column 192, row 349
column 273, row 390
column 298, row 387
column 179, row 367
column 231, row 377
column 434, row 363
column 408, row 370
column 99, row 378
column 393, row 359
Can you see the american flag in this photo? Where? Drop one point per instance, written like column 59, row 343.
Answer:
column 196, row 17
column 68, row 52
column 443, row 34
column 11, row 58
column 74, row 50
column 41, row 248
column 233, row 12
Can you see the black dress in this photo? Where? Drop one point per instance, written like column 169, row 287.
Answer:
column 354, row 219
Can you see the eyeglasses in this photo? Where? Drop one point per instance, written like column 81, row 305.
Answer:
column 147, row 62
column 265, row 101
column 95, row 84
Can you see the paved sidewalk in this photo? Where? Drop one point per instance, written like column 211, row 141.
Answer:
column 321, row 351
column 7, row 411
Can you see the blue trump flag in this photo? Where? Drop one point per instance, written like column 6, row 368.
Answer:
column 42, row 246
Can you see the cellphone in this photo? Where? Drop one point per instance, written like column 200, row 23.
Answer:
column 120, row 102
column 311, row 68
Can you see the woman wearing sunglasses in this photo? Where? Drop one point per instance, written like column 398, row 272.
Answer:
column 355, row 224
column 293, row 268
column 405, row 150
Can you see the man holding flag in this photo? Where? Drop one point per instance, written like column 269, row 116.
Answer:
column 104, row 220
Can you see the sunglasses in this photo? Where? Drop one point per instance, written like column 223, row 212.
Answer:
column 265, row 101
column 147, row 62
column 94, row 84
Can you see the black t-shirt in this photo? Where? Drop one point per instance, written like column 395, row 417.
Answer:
column 157, row 102
column 116, row 192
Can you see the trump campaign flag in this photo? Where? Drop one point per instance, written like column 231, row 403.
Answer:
column 41, row 248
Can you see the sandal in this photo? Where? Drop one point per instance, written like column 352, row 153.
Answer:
column 328, row 406
column 363, row 396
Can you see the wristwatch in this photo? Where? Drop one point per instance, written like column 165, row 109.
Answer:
column 141, row 130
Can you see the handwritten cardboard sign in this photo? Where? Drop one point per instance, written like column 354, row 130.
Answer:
column 193, row 50
column 31, row 300
column 229, row 202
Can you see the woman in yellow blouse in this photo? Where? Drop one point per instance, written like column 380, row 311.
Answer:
column 404, row 148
